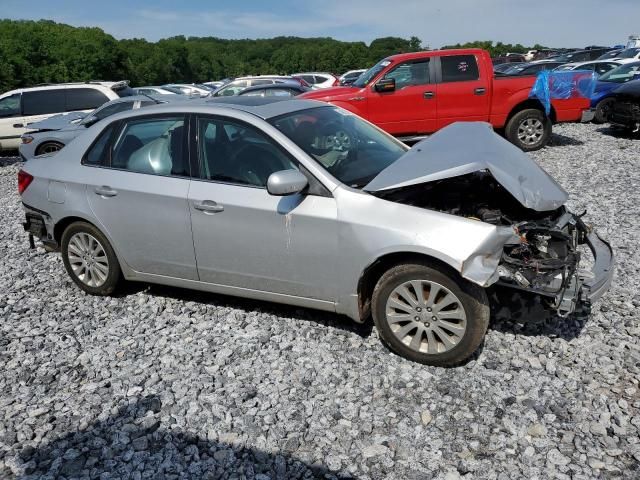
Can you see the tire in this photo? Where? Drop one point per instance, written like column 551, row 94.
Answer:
column 98, row 273
column 49, row 147
column 603, row 109
column 529, row 130
column 451, row 340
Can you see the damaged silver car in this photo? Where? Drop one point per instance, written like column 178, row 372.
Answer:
column 306, row 204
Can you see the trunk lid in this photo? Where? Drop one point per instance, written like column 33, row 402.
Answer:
column 467, row 147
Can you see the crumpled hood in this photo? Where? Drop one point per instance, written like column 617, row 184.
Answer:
column 57, row 122
column 468, row 147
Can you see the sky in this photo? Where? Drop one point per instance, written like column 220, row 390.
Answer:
column 556, row 23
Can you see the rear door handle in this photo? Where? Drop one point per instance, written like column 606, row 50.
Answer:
column 428, row 95
column 208, row 206
column 105, row 191
column 18, row 125
column 480, row 91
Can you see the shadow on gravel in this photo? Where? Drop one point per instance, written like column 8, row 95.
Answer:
column 519, row 314
column 135, row 440
column 6, row 161
column 616, row 132
column 298, row 313
column 558, row 140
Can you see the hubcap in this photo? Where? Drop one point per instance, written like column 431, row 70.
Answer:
column 426, row 316
column 530, row 131
column 88, row 259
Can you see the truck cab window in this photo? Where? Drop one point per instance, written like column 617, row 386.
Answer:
column 459, row 68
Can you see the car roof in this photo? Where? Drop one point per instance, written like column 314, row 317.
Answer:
column 284, row 84
column 262, row 107
column 589, row 62
column 53, row 86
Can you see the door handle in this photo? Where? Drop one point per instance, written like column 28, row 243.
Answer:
column 428, row 95
column 208, row 206
column 480, row 91
column 105, row 191
column 18, row 125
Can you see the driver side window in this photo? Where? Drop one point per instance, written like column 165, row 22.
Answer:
column 231, row 152
column 410, row 74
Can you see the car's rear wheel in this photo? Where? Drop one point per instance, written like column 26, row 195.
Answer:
column 529, row 129
column 603, row 110
column 89, row 259
column 49, row 147
column 428, row 316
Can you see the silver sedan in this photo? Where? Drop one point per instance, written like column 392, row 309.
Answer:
column 306, row 204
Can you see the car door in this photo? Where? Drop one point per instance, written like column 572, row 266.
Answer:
column 11, row 121
column 139, row 193
column 463, row 93
column 411, row 108
column 243, row 236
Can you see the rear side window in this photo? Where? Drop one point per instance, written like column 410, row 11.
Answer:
column 98, row 153
column 10, row 106
column 459, row 68
column 154, row 146
column 43, row 102
column 255, row 83
column 84, row 99
column 280, row 92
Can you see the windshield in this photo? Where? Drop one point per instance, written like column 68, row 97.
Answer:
column 372, row 73
column 629, row 53
column 349, row 148
column 621, row 74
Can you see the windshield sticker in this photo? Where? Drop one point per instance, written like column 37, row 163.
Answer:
column 463, row 66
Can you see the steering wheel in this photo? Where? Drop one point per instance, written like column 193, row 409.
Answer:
column 340, row 140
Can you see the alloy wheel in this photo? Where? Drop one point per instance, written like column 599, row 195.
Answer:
column 426, row 316
column 530, row 131
column 88, row 259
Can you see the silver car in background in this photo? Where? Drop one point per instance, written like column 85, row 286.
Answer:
column 52, row 134
column 304, row 203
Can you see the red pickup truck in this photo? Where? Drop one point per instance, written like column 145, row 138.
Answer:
column 413, row 94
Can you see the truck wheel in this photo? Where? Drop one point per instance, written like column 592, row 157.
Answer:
column 529, row 129
column 603, row 109
column 89, row 259
column 429, row 317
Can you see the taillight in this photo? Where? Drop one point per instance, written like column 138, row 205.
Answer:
column 24, row 180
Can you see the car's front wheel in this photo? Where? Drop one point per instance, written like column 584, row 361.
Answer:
column 49, row 147
column 89, row 259
column 428, row 316
column 529, row 129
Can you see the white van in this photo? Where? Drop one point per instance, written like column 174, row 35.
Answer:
column 634, row 41
column 20, row 107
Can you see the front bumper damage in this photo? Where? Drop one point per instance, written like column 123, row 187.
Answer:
column 569, row 287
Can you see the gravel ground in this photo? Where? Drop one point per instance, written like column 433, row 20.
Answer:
column 167, row 383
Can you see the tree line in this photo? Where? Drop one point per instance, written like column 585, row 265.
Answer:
column 34, row 52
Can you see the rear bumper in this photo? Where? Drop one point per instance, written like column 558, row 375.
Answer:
column 39, row 224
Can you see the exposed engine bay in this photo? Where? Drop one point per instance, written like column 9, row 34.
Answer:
column 546, row 259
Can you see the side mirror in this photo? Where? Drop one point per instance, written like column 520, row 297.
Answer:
column 385, row 85
column 90, row 120
column 286, row 182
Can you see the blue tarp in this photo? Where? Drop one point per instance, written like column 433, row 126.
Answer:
column 563, row 85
